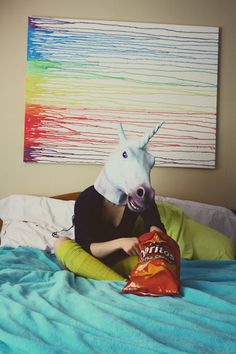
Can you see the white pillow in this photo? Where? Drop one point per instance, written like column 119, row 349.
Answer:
column 41, row 210
column 20, row 233
column 30, row 220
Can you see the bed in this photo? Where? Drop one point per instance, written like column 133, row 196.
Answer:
column 46, row 309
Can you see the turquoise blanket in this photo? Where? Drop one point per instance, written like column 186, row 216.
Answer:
column 44, row 309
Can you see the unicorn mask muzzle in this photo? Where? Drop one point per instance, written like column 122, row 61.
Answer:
column 125, row 177
column 139, row 200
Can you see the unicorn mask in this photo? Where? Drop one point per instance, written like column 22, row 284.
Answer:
column 125, row 177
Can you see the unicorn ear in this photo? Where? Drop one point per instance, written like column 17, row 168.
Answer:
column 143, row 142
column 121, row 134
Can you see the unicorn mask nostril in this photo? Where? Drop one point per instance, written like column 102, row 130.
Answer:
column 140, row 192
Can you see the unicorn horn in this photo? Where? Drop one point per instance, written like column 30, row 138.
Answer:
column 149, row 135
column 121, row 134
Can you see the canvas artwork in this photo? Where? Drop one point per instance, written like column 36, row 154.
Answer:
column 86, row 76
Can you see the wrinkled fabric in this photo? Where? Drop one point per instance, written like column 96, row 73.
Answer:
column 45, row 309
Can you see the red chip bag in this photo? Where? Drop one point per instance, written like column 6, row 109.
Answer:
column 157, row 272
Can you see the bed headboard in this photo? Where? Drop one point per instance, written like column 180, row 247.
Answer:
column 68, row 196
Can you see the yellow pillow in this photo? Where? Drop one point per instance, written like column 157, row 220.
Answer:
column 196, row 241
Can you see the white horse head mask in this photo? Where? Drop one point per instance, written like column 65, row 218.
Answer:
column 125, row 177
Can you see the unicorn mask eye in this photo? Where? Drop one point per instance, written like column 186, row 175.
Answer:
column 125, row 154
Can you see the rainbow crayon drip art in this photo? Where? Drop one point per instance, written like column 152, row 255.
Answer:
column 85, row 77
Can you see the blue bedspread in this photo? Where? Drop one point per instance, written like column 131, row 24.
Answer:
column 44, row 309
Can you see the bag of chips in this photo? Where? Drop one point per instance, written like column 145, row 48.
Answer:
column 157, row 272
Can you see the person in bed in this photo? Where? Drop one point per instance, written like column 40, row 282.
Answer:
column 105, row 245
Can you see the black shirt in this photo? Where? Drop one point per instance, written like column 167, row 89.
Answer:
column 91, row 228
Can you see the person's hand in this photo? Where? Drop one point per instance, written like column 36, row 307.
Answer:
column 130, row 245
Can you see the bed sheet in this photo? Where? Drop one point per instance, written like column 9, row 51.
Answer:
column 45, row 309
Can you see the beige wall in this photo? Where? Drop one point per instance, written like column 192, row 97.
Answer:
column 212, row 186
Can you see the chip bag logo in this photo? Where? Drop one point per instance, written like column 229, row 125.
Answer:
column 158, row 251
column 157, row 248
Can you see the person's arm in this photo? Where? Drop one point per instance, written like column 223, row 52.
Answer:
column 128, row 244
column 152, row 220
column 86, row 219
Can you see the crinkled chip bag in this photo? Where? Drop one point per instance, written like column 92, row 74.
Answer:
column 157, row 272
